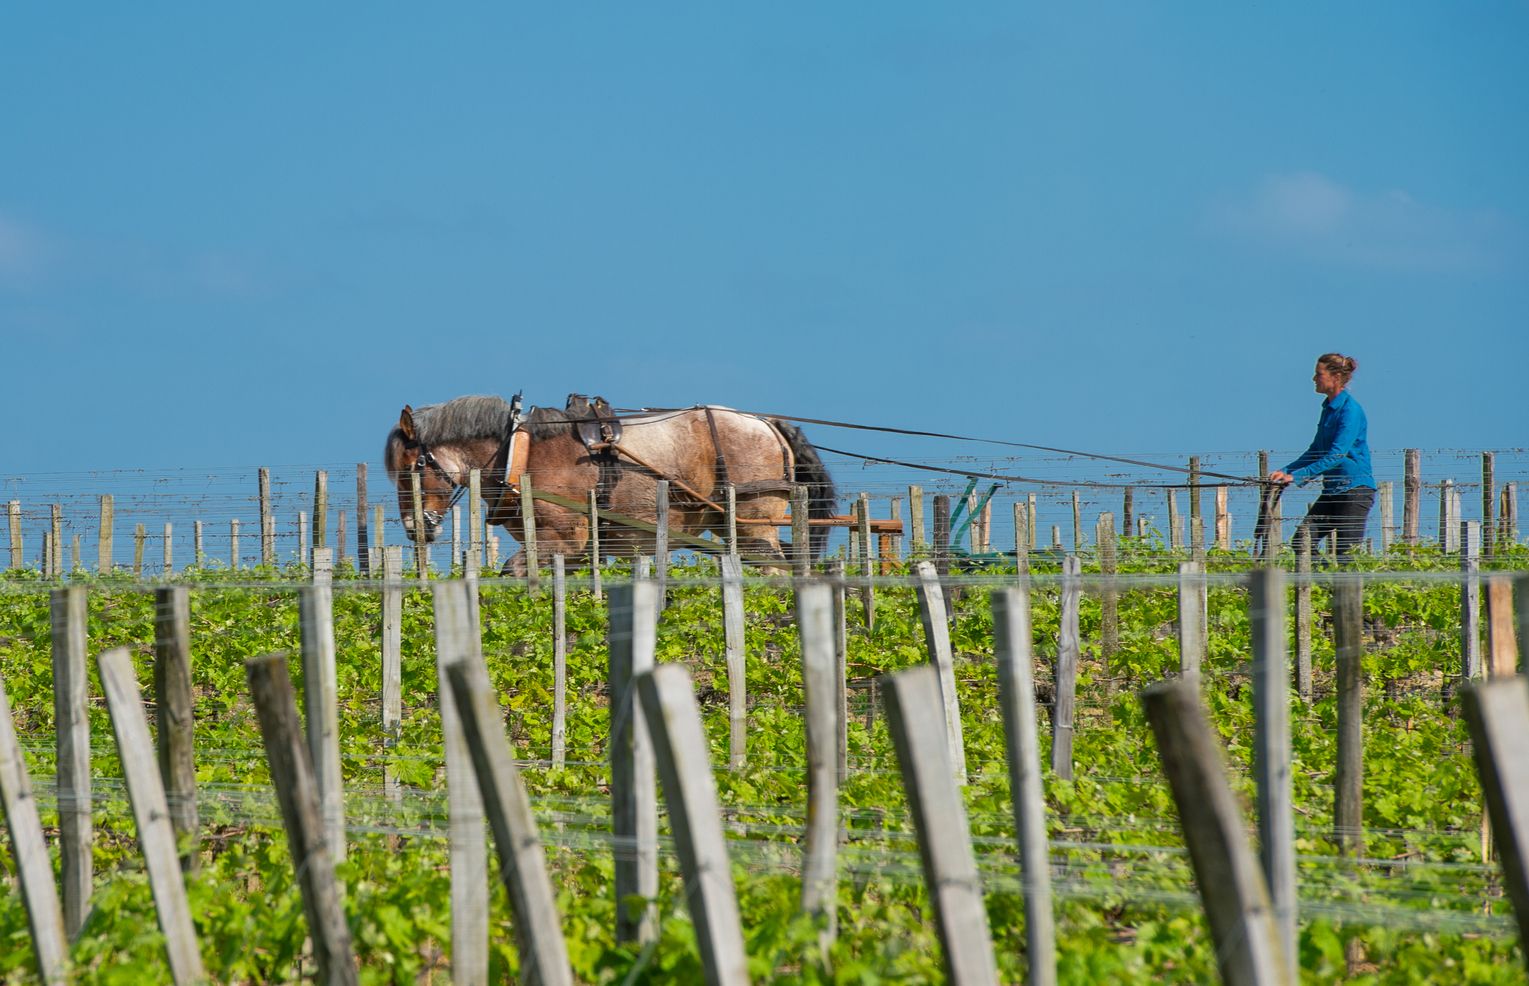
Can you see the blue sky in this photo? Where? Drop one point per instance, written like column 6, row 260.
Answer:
column 246, row 235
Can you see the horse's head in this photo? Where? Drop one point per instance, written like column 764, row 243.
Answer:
column 405, row 457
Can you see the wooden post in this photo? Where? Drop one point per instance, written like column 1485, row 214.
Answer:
column 661, row 546
column 1128, row 511
column 302, row 538
column 57, row 519
column 1021, row 539
column 942, row 533
column 559, row 661
column 297, row 793
column 1271, row 750
column 1223, row 521
column 29, row 854
column 392, row 663
column 140, row 535
column 315, row 604
column 1191, row 624
column 867, row 568
column 522, row 861
column 1066, row 676
column 912, row 701
column 1412, row 496
column 105, row 541
column 841, row 654
column 814, row 618
column 1348, row 783
column 475, row 518
column 1016, row 698
column 1175, row 523
column 1109, row 630
column 732, row 632
column 379, row 526
column 731, row 519
column 47, row 554
column 267, row 520
column 1249, row 949
column 169, row 558
column 801, row 536
column 1488, row 503
column 421, row 533
column 173, row 714
column 320, row 509
column 1470, row 600
column 916, row 541
column 233, row 547
column 1056, row 538
column 74, row 557
column 1303, row 614
column 1502, row 647
column 634, row 795
column 72, row 725
column 457, row 640
column 151, row 814
column 595, row 555
column 1077, row 523
column 363, row 535
column 199, row 556
column 1194, row 489
column 13, row 523
column 1447, row 529
column 1497, row 714
column 1032, row 515
column 456, row 541
column 895, row 542
column 680, row 746
column 1385, row 494
column 1510, row 513
column 936, row 620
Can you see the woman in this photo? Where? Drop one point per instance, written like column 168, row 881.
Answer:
column 1340, row 454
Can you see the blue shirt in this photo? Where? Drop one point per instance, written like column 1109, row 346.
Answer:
column 1340, row 452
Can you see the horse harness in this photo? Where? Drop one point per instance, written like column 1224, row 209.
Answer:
column 426, row 460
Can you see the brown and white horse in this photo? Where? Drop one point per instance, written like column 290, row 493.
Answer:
column 699, row 450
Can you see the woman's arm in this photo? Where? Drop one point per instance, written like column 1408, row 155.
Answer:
column 1314, row 462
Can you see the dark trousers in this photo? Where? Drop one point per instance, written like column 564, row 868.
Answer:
column 1340, row 516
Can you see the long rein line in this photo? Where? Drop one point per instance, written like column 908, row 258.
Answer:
column 886, row 429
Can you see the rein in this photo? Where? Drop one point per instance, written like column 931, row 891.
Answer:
column 427, row 459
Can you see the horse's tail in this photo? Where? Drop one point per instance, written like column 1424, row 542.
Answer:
column 822, row 499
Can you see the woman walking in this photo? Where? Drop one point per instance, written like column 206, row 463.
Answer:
column 1340, row 454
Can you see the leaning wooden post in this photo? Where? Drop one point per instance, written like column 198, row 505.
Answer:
column 680, row 746
column 1271, row 750
column 315, row 604
column 173, row 712
column 363, row 539
column 936, row 619
column 457, row 640
column 1412, row 496
column 392, row 664
column 1016, row 698
column 634, row 794
column 661, row 545
column 801, row 533
column 522, row 861
column 1191, row 624
column 732, row 634
column 105, row 541
column 1348, row 783
column 151, row 813
column 1249, row 949
column 814, row 618
column 912, row 701
column 72, row 725
column 1497, row 714
column 1470, row 600
column 559, row 661
column 1069, row 646
column 297, row 793
column 29, row 853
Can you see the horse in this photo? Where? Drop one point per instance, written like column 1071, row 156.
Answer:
column 700, row 451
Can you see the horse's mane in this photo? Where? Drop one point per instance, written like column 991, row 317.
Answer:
column 462, row 419
column 545, row 423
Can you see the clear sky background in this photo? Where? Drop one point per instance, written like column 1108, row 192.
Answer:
column 238, row 235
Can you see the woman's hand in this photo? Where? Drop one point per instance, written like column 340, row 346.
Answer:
column 1282, row 478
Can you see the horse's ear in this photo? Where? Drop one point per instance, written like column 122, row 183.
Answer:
column 406, row 423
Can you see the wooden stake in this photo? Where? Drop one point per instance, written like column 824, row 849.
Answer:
column 315, row 604
column 267, row 521
column 1497, row 713
column 1069, row 647
column 634, row 793
column 174, row 718
column 72, row 726
column 936, row 620
column 1303, row 614
column 13, row 523
column 392, row 663
column 1470, row 600
column 1191, row 624
column 814, row 617
column 105, row 539
column 1412, row 496
column 661, row 546
column 916, row 539
column 363, row 534
column 320, row 509
column 1271, row 751
column 1348, row 784
column 559, row 662
column 732, row 632
column 29, row 854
